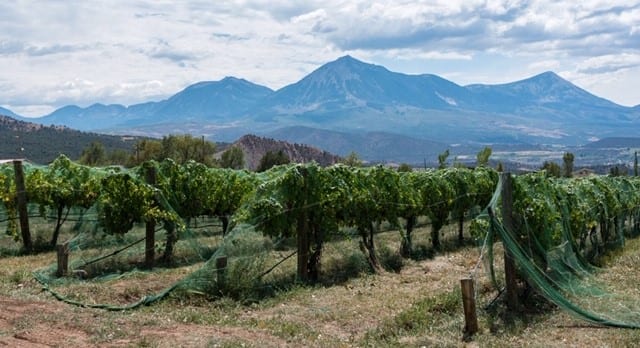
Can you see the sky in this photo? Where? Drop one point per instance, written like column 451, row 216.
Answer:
column 55, row 52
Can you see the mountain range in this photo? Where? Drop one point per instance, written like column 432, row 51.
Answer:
column 349, row 105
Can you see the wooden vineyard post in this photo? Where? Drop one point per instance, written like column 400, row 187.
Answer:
column 150, row 233
column 469, row 306
column 303, row 249
column 507, row 220
column 221, row 268
column 303, row 236
column 23, row 214
column 63, row 259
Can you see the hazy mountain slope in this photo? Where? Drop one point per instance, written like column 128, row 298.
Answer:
column 614, row 142
column 373, row 146
column 549, row 95
column 211, row 100
column 348, row 83
column 92, row 117
column 7, row 112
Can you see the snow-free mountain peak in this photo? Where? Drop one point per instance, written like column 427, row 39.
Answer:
column 227, row 82
column 544, row 89
column 353, row 84
column 212, row 99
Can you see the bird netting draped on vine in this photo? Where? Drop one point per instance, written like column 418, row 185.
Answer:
column 234, row 233
column 198, row 216
column 189, row 208
column 560, row 227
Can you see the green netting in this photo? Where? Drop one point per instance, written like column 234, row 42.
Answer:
column 107, row 243
column 103, row 264
column 560, row 227
column 201, row 215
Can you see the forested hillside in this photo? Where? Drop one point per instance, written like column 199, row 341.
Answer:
column 42, row 144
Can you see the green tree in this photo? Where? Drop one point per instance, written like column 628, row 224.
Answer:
column 458, row 164
column 118, row 157
column 442, row 159
column 94, row 154
column 61, row 186
column 635, row 164
column 404, row 167
column 232, row 158
column 146, row 150
column 352, row 160
column 552, row 168
column 180, row 148
column 271, row 159
column 184, row 148
column 482, row 158
column 617, row 171
column 567, row 164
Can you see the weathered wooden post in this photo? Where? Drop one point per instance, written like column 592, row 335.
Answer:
column 510, row 272
column 303, row 241
column 23, row 214
column 469, row 306
column 63, row 259
column 221, row 269
column 150, row 242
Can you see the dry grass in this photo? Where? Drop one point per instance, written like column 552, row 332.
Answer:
column 418, row 306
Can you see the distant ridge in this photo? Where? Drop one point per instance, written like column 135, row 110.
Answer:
column 373, row 146
column 206, row 101
column 614, row 143
column 255, row 147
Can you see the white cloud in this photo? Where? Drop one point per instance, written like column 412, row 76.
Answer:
column 414, row 54
column 31, row 110
column 546, row 65
column 313, row 16
column 609, row 63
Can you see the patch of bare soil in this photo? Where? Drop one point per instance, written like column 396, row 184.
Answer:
column 210, row 336
column 17, row 329
column 26, row 323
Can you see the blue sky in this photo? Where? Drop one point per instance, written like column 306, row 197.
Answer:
column 54, row 53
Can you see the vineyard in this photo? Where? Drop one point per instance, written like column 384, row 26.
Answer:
column 249, row 236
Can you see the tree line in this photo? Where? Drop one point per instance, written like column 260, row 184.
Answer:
column 179, row 148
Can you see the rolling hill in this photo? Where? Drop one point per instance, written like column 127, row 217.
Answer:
column 255, row 147
column 42, row 144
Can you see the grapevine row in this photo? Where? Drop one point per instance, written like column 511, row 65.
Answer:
column 282, row 202
column 593, row 213
column 313, row 203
